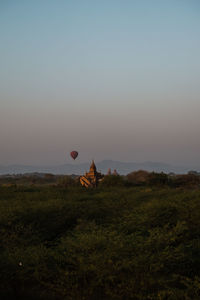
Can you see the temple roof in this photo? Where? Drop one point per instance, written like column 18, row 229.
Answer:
column 93, row 166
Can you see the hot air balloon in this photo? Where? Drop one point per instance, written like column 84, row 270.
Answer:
column 74, row 154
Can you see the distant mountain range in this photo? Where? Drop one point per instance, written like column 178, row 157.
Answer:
column 122, row 168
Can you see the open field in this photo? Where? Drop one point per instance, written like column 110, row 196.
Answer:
column 109, row 243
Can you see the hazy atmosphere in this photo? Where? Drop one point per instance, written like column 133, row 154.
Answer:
column 111, row 79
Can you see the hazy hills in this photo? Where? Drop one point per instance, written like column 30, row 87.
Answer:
column 121, row 167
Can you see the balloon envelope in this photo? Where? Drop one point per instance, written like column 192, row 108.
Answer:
column 74, row 154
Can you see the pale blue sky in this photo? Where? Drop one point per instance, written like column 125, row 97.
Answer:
column 112, row 79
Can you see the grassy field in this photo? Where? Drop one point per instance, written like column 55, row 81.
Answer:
column 109, row 243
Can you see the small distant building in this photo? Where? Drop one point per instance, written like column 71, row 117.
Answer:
column 109, row 171
column 91, row 178
column 115, row 172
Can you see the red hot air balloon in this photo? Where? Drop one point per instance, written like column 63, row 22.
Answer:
column 74, row 154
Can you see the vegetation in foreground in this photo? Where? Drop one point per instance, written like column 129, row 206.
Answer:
column 116, row 242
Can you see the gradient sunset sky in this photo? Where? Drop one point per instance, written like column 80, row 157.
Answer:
column 111, row 79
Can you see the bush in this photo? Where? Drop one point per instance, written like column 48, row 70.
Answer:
column 187, row 180
column 113, row 181
column 141, row 178
column 158, row 179
column 67, row 181
column 138, row 177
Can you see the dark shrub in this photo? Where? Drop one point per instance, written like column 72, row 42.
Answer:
column 67, row 181
column 113, row 180
column 140, row 177
column 158, row 179
column 189, row 180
